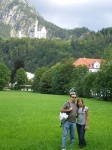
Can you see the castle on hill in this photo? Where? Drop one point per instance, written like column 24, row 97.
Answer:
column 35, row 31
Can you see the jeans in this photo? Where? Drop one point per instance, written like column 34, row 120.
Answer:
column 81, row 133
column 66, row 127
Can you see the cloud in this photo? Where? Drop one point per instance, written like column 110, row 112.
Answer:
column 93, row 14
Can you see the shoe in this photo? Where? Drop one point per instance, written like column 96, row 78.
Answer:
column 63, row 148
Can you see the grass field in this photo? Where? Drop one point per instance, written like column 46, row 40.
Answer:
column 30, row 121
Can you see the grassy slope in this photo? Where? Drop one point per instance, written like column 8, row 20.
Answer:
column 30, row 121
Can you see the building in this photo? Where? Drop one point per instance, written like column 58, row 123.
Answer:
column 91, row 63
column 39, row 33
column 35, row 32
column 30, row 76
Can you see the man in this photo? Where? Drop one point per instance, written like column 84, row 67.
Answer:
column 70, row 107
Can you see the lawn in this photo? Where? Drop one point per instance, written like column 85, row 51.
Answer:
column 30, row 121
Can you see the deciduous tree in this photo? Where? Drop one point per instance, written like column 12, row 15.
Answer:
column 4, row 76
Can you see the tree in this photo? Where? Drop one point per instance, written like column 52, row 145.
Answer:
column 103, row 82
column 17, row 65
column 45, row 82
column 4, row 76
column 78, row 75
column 38, row 74
column 107, row 56
column 21, row 77
column 62, row 77
column 57, row 79
column 88, row 82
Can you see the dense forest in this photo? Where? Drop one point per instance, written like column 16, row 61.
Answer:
column 46, row 52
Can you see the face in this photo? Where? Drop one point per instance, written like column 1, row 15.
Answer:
column 80, row 103
column 73, row 97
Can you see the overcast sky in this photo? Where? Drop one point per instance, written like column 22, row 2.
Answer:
column 69, row 14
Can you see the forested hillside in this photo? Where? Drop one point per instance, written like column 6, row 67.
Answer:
column 92, row 45
column 34, row 52
column 43, row 52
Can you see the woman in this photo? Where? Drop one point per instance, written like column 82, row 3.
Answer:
column 82, row 121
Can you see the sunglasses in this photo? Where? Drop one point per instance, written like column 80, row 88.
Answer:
column 73, row 96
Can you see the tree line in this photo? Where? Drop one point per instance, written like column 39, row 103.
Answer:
column 62, row 77
column 51, row 62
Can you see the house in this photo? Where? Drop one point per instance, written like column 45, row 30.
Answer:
column 91, row 63
column 30, row 76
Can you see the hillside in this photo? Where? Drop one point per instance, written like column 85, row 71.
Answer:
column 46, row 52
column 20, row 15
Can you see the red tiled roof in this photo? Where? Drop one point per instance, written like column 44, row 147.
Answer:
column 86, row 61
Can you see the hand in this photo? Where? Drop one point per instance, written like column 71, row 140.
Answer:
column 62, row 110
column 86, row 127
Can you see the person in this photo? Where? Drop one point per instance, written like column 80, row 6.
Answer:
column 82, row 122
column 69, row 107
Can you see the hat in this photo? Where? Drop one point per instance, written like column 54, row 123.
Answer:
column 72, row 93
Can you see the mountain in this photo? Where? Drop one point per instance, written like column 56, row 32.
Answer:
column 19, row 16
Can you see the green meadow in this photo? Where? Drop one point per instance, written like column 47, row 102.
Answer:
column 30, row 121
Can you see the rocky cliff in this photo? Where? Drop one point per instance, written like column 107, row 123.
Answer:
column 19, row 14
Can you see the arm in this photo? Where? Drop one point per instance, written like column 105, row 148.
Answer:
column 86, row 125
column 66, row 110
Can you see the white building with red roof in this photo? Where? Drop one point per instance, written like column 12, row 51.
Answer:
column 91, row 63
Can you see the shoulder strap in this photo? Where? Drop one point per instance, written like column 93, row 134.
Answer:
column 68, row 103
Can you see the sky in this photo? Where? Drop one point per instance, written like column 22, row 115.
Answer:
column 70, row 14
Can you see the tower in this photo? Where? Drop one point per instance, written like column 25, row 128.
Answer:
column 20, row 35
column 43, row 32
column 36, row 28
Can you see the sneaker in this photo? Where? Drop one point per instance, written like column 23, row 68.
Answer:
column 63, row 148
